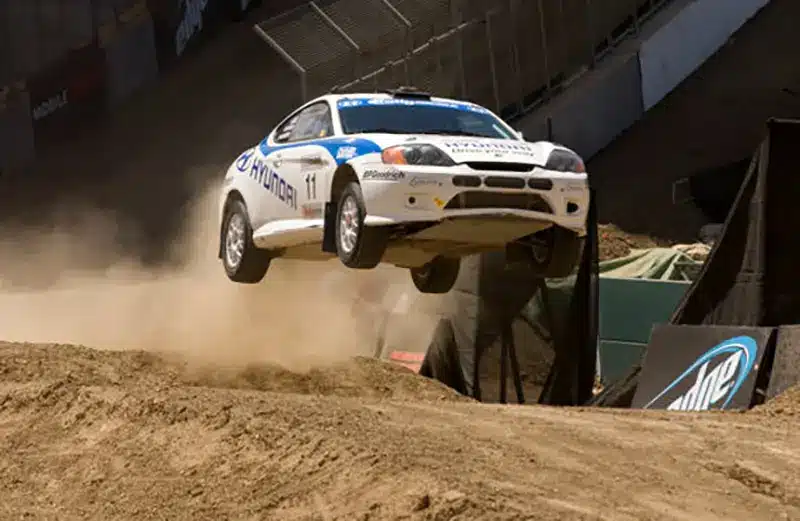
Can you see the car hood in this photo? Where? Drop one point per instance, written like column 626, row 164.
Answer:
column 465, row 149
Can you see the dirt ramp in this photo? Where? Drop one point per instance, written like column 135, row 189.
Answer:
column 359, row 377
column 128, row 435
column 784, row 405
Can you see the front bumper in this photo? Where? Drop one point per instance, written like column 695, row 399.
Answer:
column 403, row 194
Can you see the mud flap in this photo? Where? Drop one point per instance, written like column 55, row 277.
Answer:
column 329, row 229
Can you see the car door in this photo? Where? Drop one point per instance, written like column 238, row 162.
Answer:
column 306, row 164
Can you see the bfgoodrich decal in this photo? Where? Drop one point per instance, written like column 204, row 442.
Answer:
column 715, row 377
column 384, row 175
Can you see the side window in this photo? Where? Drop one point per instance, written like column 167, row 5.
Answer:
column 284, row 132
column 313, row 122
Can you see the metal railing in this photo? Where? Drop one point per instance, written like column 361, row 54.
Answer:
column 504, row 54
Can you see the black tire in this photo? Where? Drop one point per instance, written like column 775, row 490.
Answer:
column 441, row 360
column 437, row 276
column 557, row 253
column 369, row 243
column 253, row 263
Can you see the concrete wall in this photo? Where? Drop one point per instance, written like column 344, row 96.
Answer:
column 607, row 100
column 594, row 110
column 677, row 48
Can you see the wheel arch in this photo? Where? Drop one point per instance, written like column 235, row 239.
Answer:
column 344, row 175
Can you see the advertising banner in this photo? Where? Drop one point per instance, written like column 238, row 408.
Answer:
column 131, row 60
column 182, row 25
column 70, row 91
column 698, row 368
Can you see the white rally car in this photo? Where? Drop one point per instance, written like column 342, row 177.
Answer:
column 402, row 178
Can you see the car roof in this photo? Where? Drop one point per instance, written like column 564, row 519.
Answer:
column 334, row 98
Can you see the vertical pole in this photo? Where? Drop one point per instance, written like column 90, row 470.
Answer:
column 492, row 65
column 590, row 29
column 515, row 54
column 455, row 21
column 408, row 57
column 440, row 67
column 408, row 43
column 503, row 364
column 301, row 71
column 543, row 30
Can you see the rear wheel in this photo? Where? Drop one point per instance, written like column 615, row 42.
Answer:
column 437, row 276
column 553, row 253
column 243, row 261
column 358, row 246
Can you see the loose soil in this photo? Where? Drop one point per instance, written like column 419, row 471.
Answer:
column 89, row 434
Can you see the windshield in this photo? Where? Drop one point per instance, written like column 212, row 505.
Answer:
column 402, row 116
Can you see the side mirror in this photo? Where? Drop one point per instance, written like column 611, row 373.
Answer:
column 520, row 134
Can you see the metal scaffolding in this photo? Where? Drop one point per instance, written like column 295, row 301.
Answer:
column 504, row 54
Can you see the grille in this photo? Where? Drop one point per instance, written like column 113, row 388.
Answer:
column 499, row 166
column 472, row 200
column 496, row 181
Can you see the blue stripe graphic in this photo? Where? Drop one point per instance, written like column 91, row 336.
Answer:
column 342, row 149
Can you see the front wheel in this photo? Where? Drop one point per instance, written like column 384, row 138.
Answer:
column 358, row 246
column 437, row 276
column 243, row 261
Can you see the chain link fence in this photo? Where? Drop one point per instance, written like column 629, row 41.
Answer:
column 504, row 54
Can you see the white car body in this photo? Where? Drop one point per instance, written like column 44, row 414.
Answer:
column 286, row 186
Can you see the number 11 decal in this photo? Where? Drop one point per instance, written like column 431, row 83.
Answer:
column 311, row 186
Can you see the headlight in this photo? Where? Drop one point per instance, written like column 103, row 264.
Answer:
column 427, row 155
column 562, row 160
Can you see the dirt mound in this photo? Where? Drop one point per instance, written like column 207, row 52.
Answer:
column 357, row 378
column 785, row 404
column 143, row 437
column 615, row 243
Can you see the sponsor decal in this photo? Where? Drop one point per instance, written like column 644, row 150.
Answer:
column 715, row 377
column 501, row 146
column 384, row 175
column 346, row 152
column 439, row 202
column 311, row 210
column 421, row 181
column 311, row 163
column 268, row 178
column 191, row 23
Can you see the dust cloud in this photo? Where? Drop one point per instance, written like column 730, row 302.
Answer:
column 303, row 315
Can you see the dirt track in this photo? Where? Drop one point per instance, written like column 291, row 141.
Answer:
column 205, row 434
column 100, row 435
